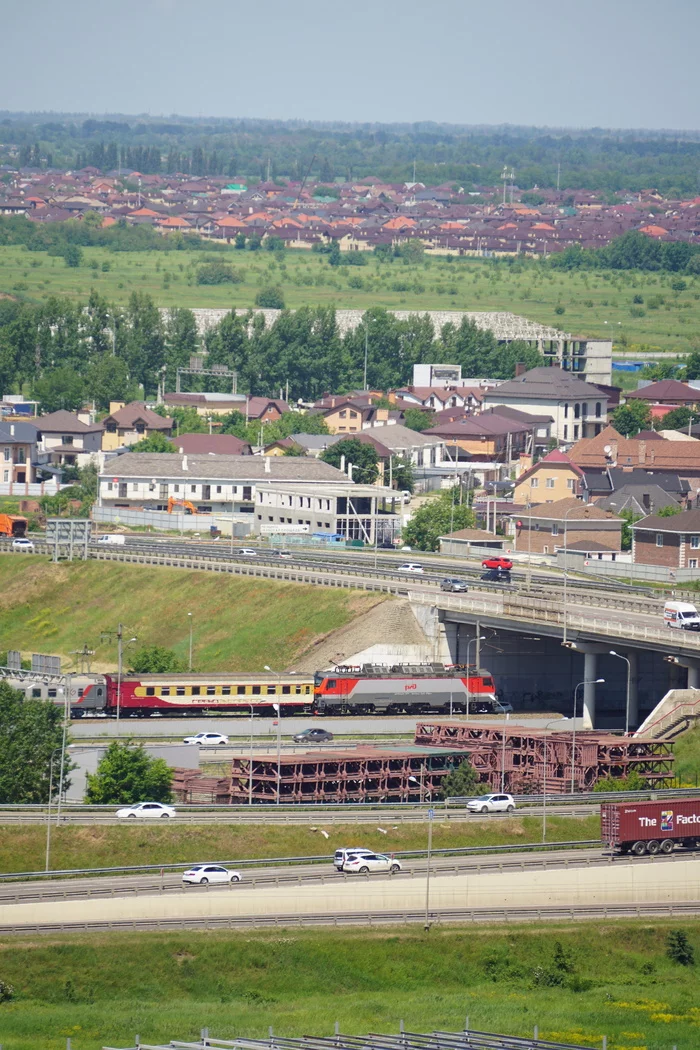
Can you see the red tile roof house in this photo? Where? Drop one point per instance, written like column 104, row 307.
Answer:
column 664, row 396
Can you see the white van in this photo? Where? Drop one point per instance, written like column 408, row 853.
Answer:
column 683, row 615
column 112, row 539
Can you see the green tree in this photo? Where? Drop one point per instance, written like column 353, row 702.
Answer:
column 155, row 659
column 126, row 775
column 631, row 417
column 30, row 732
column 72, row 255
column 679, row 949
column 670, row 511
column 107, row 379
column 155, row 442
column 218, row 272
column 678, row 419
column 418, row 419
column 628, row 518
column 62, row 388
column 461, row 781
column 270, row 298
column 363, row 457
column 438, row 516
column 401, row 473
column 692, row 365
column 187, row 420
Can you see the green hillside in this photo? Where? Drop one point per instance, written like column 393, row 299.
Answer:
column 238, row 623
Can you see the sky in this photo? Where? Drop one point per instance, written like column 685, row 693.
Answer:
column 600, row 63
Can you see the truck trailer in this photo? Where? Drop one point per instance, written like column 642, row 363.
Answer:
column 651, row 827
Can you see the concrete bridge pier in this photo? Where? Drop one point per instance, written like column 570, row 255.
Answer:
column 693, row 665
column 591, row 651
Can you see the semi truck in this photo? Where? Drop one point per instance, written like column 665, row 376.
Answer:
column 651, row 827
column 13, row 526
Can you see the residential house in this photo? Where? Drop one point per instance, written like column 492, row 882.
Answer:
column 664, row 396
column 553, row 478
column 672, row 542
column 609, row 449
column 127, row 424
column 639, row 500
column 549, row 527
column 465, row 543
column 420, row 449
column 207, row 404
column 578, row 409
column 63, row 440
column 346, row 416
column 17, row 452
column 266, row 492
column 541, row 424
column 486, row 438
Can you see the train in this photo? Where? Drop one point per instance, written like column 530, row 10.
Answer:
column 364, row 690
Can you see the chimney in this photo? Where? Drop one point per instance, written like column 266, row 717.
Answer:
column 342, row 464
column 642, row 452
column 12, row 430
column 520, row 368
column 184, row 463
column 350, row 466
column 268, row 464
column 646, row 502
column 181, row 450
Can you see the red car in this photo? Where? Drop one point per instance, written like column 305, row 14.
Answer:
column 498, row 562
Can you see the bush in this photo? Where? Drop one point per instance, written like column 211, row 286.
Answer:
column 7, row 992
column 270, row 298
column 72, row 255
column 218, row 273
column 126, row 775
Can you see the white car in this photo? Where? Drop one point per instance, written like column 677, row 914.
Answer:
column 207, row 739
column 147, row 810
column 21, row 544
column 410, row 566
column 366, row 863
column 341, row 855
column 492, row 804
column 202, row 874
column 247, row 552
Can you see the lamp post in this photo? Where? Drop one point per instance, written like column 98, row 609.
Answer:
column 592, row 681
column 627, row 702
column 189, row 618
column 544, row 780
column 68, row 679
column 120, row 656
column 472, row 641
column 48, row 811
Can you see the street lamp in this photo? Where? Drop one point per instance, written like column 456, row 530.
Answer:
column 544, row 780
column 592, row 681
column 472, row 641
column 48, row 811
column 120, row 655
column 68, row 679
column 189, row 617
column 627, row 703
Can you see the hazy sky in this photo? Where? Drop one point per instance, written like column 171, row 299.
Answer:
column 607, row 63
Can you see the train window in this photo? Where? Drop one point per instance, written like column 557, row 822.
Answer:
column 331, row 683
column 180, row 690
column 36, row 693
column 240, row 690
column 297, row 689
column 165, row 690
column 150, row 690
column 53, row 693
column 225, row 690
column 255, row 690
column 196, row 690
column 211, row 690
column 286, row 689
column 271, row 690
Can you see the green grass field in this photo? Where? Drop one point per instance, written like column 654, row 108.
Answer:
column 239, row 623
column 593, row 304
column 102, row 989
column 22, row 848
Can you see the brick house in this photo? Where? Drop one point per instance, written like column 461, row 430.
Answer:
column 550, row 527
column 673, row 542
column 128, row 424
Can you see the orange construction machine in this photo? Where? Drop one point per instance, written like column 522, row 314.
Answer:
column 189, row 507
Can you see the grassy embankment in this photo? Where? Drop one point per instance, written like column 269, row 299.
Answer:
column 239, row 623
column 101, row 989
column 22, row 848
column 596, row 303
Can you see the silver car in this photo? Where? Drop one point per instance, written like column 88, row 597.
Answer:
column 492, row 804
column 366, row 863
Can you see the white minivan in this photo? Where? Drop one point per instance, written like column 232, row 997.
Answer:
column 112, row 539
column 683, row 615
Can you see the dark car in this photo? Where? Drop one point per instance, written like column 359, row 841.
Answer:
column 313, row 736
column 457, row 586
column 498, row 561
column 496, row 576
